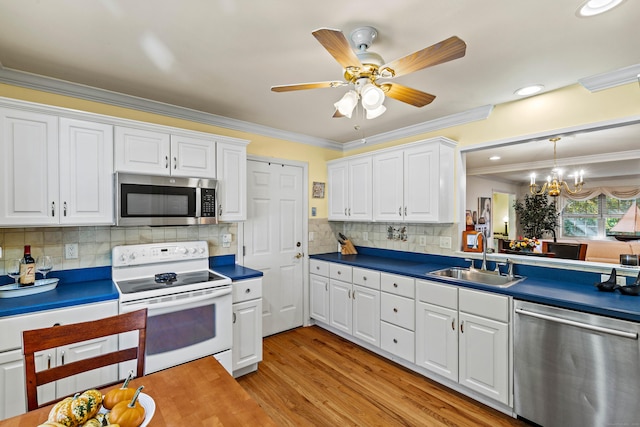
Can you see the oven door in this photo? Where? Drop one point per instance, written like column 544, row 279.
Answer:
column 181, row 327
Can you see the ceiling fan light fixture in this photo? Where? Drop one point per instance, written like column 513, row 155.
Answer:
column 346, row 104
column 372, row 114
column 596, row 7
column 372, row 96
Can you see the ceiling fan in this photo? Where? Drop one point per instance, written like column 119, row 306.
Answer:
column 363, row 70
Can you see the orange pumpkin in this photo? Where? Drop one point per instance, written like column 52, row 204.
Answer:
column 119, row 394
column 128, row 414
column 74, row 411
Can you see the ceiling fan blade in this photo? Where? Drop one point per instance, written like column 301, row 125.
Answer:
column 338, row 46
column 447, row 50
column 407, row 94
column 304, row 86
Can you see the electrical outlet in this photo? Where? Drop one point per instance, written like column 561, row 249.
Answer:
column 423, row 240
column 71, row 251
column 226, row 240
column 365, row 235
column 620, row 280
column 445, row 242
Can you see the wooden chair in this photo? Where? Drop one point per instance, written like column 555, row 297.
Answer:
column 47, row 338
column 576, row 251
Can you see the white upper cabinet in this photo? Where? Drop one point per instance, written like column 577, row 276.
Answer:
column 86, row 172
column 414, row 183
column 193, row 157
column 232, row 180
column 29, row 156
column 56, row 170
column 349, row 189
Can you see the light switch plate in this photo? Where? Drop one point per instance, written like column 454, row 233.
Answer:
column 71, row 251
column 445, row 242
column 365, row 235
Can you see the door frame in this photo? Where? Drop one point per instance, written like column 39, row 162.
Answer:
column 306, row 319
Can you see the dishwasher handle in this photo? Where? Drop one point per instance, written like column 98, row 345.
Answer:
column 623, row 334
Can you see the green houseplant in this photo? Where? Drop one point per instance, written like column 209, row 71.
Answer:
column 537, row 216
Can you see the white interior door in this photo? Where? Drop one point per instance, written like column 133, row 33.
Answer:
column 273, row 244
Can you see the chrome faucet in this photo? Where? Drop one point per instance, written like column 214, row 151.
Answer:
column 509, row 268
column 484, row 250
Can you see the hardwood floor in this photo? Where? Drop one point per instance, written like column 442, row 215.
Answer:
column 311, row 377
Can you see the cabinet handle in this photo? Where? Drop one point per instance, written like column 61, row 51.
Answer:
column 234, row 318
column 395, row 341
column 349, row 294
column 219, row 210
column 405, row 211
column 166, row 162
column 49, row 361
column 349, row 211
column 400, row 211
column 353, row 294
column 395, row 310
column 62, row 357
column 453, row 324
column 462, row 326
column 326, row 287
column 345, row 211
column 175, row 162
column 53, row 208
column 64, row 208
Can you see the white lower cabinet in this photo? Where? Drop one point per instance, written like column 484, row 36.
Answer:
column 460, row 334
column 247, row 326
column 12, row 378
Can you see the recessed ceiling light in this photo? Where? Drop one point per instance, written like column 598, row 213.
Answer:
column 529, row 90
column 596, row 7
column 494, row 158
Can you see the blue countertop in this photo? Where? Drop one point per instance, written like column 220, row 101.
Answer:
column 91, row 285
column 569, row 289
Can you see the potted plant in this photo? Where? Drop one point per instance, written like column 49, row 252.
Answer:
column 537, row 216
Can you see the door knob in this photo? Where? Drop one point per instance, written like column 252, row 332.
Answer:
column 299, row 255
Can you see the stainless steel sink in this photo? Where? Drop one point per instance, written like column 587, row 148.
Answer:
column 482, row 277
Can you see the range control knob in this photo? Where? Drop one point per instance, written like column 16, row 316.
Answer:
column 181, row 250
column 192, row 250
column 201, row 250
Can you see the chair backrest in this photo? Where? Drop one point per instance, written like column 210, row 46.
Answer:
column 56, row 336
column 566, row 250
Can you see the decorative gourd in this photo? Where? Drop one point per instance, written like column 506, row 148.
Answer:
column 74, row 411
column 128, row 414
column 119, row 394
column 51, row 424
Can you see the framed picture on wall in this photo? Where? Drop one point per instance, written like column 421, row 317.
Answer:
column 484, row 211
column 471, row 242
column 318, row 190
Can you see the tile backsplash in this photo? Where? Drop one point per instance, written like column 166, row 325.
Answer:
column 95, row 243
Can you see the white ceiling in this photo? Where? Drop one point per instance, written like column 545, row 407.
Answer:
column 223, row 56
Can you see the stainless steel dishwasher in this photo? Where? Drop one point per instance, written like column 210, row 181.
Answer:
column 574, row 368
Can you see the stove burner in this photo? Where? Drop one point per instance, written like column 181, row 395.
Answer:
column 166, row 278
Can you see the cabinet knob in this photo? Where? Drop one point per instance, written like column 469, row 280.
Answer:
column 64, row 208
column 395, row 310
column 247, row 291
column 395, row 285
column 364, row 278
column 53, row 208
column 395, row 341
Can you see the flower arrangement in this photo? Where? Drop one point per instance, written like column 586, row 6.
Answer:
column 523, row 244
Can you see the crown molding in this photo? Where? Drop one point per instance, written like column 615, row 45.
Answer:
column 475, row 114
column 611, row 79
column 65, row 88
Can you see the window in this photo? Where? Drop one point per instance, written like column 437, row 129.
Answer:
column 593, row 218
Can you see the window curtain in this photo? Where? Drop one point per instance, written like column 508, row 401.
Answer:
column 622, row 193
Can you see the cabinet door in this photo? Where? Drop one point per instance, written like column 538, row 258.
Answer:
column 340, row 305
column 388, row 203
column 366, row 314
column 90, row 379
column 338, row 190
column 484, row 356
column 319, row 297
column 360, row 191
column 437, row 339
column 29, row 168
column 247, row 333
column 12, row 384
column 421, row 183
column 86, row 172
column 232, row 182
column 193, row 157
column 141, row 151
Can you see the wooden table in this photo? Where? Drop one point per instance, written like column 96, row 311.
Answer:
column 197, row 393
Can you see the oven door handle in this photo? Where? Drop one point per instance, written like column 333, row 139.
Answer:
column 212, row 295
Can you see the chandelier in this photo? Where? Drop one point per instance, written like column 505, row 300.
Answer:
column 554, row 184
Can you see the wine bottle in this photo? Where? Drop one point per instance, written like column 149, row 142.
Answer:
column 27, row 268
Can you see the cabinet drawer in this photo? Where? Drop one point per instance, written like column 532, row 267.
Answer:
column 321, row 268
column 484, row 304
column 399, row 285
column 340, row 272
column 398, row 310
column 437, row 294
column 367, row 278
column 245, row 290
column 398, row 341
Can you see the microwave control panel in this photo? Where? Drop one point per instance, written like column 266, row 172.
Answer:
column 208, row 202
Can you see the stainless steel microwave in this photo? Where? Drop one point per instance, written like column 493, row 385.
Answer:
column 164, row 200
